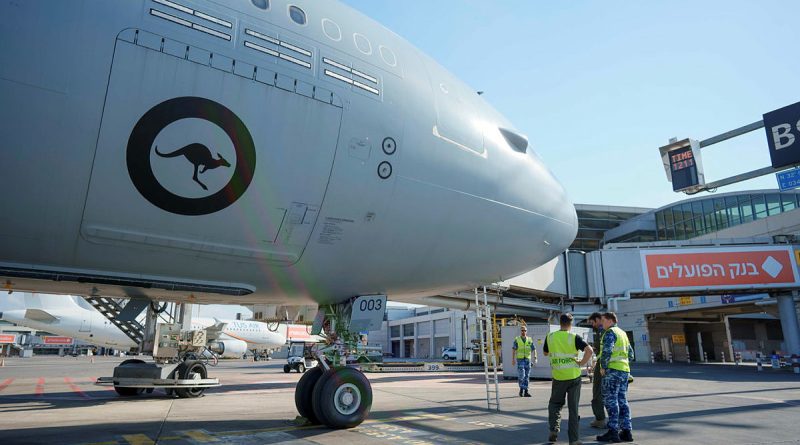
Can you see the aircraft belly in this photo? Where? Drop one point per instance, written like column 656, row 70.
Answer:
column 203, row 165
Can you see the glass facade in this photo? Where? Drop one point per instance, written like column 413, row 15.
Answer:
column 595, row 220
column 701, row 216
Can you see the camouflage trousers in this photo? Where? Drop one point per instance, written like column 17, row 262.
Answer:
column 615, row 399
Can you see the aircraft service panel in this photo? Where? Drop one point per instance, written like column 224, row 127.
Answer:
column 193, row 148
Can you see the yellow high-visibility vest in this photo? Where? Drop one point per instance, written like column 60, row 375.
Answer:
column 619, row 355
column 563, row 355
column 524, row 347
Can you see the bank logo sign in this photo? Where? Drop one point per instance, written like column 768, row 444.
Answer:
column 757, row 267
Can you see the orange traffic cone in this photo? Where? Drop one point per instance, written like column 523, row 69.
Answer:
column 2, row 362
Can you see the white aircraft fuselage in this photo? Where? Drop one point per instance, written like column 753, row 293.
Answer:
column 71, row 320
column 218, row 152
column 256, row 335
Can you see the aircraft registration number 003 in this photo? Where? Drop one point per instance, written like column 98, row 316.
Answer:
column 367, row 313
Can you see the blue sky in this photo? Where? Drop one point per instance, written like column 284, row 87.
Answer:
column 599, row 86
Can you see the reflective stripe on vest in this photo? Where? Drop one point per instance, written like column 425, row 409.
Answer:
column 562, row 354
column 619, row 355
column 524, row 348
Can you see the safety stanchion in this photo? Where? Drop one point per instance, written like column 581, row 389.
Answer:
column 652, row 357
column 2, row 362
column 688, row 359
column 705, row 357
column 737, row 358
column 758, row 362
column 796, row 364
column 669, row 356
column 723, row 357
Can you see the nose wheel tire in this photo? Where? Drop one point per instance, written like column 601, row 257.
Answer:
column 304, row 392
column 191, row 370
column 125, row 391
column 342, row 398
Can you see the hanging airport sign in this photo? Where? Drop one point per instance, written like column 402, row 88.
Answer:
column 789, row 179
column 50, row 340
column 685, row 301
column 683, row 165
column 728, row 267
column 783, row 130
column 7, row 338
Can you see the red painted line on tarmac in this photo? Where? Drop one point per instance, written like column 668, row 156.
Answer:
column 40, row 387
column 5, row 384
column 74, row 387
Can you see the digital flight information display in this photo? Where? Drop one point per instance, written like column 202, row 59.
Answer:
column 683, row 167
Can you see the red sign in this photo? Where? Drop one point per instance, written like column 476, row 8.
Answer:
column 298, row 332
column 57, row 340
column 724, row 267
column 7, row 338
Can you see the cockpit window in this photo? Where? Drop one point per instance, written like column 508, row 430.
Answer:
column 297, row 15
column 261, row 4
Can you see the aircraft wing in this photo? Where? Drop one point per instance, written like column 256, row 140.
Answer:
column 215, row 330
column 40, row 315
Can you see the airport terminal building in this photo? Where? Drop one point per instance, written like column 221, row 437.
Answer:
column 712, row 326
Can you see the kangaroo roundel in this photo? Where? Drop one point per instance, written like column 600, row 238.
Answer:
column 191, row 156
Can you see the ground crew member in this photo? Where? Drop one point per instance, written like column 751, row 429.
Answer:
column 615, row 369
column 598, row 409
column 562, row 347
column 523, row 348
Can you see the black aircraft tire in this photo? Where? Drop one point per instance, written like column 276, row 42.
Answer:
column 125, row 391
column 342, row 398
column 304, row 392
column 185, row 371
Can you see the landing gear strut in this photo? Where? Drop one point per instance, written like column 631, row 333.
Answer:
column 333, row 393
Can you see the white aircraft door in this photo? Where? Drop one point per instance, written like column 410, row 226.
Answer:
column 206, row 154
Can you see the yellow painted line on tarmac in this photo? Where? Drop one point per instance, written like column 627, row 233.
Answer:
column 203, row 436
column 138, row 439
column 266, row 430
column 200, row 436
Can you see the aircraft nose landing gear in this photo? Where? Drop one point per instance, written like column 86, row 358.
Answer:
column 340, row 396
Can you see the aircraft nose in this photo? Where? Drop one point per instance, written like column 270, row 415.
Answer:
column 556, row 207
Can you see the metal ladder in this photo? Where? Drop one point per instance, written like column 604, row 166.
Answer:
column 110, row 308
column 488, row 356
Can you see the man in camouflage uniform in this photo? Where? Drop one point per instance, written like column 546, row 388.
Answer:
column 615, row 369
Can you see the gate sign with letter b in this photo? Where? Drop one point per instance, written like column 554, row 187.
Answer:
column 783, row 135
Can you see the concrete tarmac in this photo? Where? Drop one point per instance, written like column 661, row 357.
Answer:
column 53, row 400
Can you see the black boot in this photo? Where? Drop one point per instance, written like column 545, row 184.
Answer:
column 520, row 392
column 526, row 394
column 610, row 436
column 626, row 436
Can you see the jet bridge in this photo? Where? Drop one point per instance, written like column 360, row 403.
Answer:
column 729, row 268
